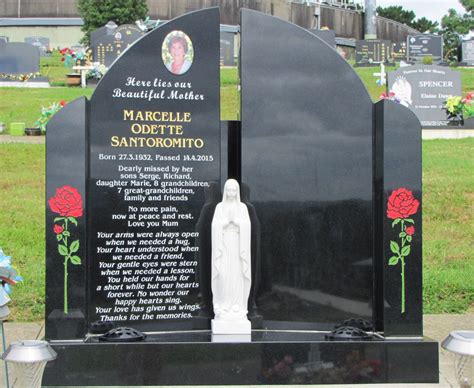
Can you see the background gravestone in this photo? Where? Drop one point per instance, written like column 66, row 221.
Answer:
column 424, row 89
column 19, row 58
column 107, row 45
column 328, row 36
column 40, row 42
column 309, row 170
column 420, row 46
column 372, row 52
column 399, row 52
column 467, row 51
column 4, row 39
column 227, row 48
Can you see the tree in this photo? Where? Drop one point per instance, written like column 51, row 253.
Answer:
column 96, row 13
column 454, row 26
column 397, row 13
column 425, row 25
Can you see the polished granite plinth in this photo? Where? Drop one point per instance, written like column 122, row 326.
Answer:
column 271, row 357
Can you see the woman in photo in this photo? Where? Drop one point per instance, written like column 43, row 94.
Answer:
column 178, row 48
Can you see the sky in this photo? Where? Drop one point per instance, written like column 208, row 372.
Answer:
column 431, row 9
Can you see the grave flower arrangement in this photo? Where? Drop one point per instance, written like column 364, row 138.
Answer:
column 47, row 113
column 19, row 77
column 97, row 72
column 71, row 57
column 8, row 277
column 390, row 96
column 458, row 109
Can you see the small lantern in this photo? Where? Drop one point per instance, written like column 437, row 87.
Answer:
column 29, row 359
column 461, row 343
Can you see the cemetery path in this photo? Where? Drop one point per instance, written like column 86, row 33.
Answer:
column 23, row 139
column 436, row 327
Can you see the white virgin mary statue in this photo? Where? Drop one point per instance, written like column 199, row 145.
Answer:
column 231, row 265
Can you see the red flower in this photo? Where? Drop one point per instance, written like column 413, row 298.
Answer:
column 410, row 230
column 58, row 229
column 62, row 102
column 401, row 204
column 67, row 202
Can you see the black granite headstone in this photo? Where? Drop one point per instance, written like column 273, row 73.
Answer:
column 227, row 48
column 399, row 52
column 40, row 42
column 154, row 148
column 328, row 36
column 372, row 52
column 424, row 89
column 424, row 45
column 19, row 58
column 108, row 45
column 309, row 170
column 467, row 52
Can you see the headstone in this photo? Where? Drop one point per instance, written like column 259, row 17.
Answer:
column 227, row 48
column 399, row 52
column 107, row 45
column 424, row 45
column 4, row 39
column 40, row 42
column 424, row 89
column 129, row 215
column 372, row 52
column 328, row 36
column 467, row 50
column 19, row 58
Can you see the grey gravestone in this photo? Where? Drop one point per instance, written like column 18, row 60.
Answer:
column 372, row 52
column 4, row 39
column 420, row 46
column 19, row 58
column 40, row 42
column 468, row 52
column 328, row 36
column 399, row 52
column 227, row 48
column 107, row 45
column 423, row 89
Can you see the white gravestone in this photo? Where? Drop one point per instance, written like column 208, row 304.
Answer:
column 231, row 263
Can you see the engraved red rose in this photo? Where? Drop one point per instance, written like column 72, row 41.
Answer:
column 401, row 204
column 58, row 229
column 67, row 202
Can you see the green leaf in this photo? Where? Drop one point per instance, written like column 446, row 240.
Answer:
column 75, row 246
column 76, row 260
column 393, row 260
column 409, row 238
column 394, row 247
column 402, row 234
column 66, row 233
column 58, row 219
column 406, row 250
column 409, row 220
column 397, row 220
column 63, row 250
column 59, row 237
column 73, row 220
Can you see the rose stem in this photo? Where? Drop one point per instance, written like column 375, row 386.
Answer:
column 402, row 259
column 66, row 307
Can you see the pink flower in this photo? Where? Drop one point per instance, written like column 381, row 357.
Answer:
column 58, row 229
column 410, row 230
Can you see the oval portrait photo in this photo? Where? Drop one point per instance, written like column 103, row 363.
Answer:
column 177, row 52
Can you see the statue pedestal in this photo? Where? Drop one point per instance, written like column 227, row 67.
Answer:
column 221, row 326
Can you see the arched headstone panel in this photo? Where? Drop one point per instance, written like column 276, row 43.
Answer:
column 154, row 148
column 66, row 222
column 307, row 158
